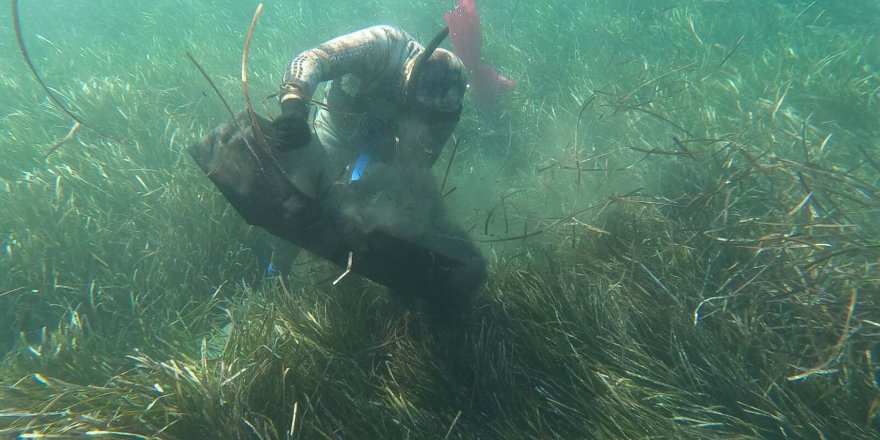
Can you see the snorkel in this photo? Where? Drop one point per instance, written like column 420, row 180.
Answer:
column 421, row 61
column 415, row 74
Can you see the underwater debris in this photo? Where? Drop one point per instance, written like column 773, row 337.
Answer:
column 78, row 122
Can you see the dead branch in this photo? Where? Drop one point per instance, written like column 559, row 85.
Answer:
column 225, row 104
column 16, row 22
column 449, row 165
column 244, row 84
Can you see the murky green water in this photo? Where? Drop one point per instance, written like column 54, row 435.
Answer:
column 116, row 245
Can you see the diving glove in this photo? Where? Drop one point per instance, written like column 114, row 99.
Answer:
column 292, row 125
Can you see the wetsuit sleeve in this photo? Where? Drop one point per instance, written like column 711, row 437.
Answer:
column 378, row 50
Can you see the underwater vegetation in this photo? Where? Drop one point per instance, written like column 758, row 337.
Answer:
column 678, row 203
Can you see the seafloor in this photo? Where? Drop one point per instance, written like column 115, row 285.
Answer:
column 677, row 204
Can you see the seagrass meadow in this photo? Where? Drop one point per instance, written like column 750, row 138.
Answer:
column 678, row 205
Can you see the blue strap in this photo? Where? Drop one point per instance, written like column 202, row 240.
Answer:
column 360, row 164
column 271, row 271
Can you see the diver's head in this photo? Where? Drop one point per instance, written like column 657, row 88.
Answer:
column 438, row 82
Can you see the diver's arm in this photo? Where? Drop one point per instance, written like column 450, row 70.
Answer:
column 372, row 51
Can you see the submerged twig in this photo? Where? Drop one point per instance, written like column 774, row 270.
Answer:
column 347, row 269
column 662, row 152
column 449, row 165
column 577, row 123
column 27, row 59
column 225, row 104
column 16, row 23
column 518, row 237
column 244, row 85
column 211, row 82
column 503, row 209
column 654, row 278
column 726, row 58
column 9, row 292
column 64, row 140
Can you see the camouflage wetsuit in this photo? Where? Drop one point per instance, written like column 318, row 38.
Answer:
column 373, row 104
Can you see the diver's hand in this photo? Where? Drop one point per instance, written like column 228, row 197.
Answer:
column 292, row 125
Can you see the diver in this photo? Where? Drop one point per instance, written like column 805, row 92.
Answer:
column 354, row 185
column 388, row 99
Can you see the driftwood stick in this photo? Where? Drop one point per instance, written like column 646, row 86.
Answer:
column 449, row 165
column 16, row 23
column 347, row 269
column 244, row 84
column 70, row 134
column 225, row 104
column 211, row 82
column 27, row 59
